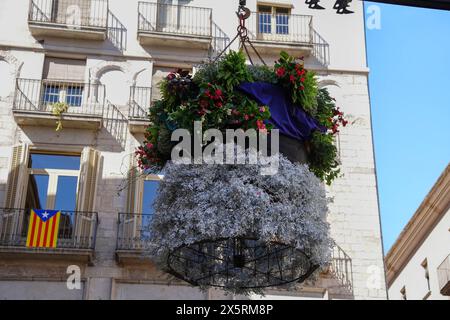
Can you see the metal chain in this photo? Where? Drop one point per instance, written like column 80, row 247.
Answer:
column 242, row 33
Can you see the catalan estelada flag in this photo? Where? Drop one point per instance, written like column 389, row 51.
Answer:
column 43, row 228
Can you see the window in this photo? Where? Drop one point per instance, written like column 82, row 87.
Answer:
column 265, row 19
column 53, row 185
column 63, row 81
column 272, row 19
column 51, row 93
column 282, row 20
column 42, row 179
column 74, row 95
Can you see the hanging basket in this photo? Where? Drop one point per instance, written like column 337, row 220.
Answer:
column 228, row 226
column 242, row 264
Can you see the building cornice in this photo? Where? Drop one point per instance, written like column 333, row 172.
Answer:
column 433, row 208
column 163, row 59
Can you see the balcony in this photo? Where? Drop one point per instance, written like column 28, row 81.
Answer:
column 140, row 101
column 76, row 236
column 133, row 237
column 34, row 99
column 73, row 19
column 174, row 26
column 272, row 33
column 444, row 277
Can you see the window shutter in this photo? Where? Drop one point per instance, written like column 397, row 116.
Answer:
column 88, row 179
column 16, row 192
column 86, row 195
column 132, row 184
column 18, row 177
column 129, row 220
column 64, row 69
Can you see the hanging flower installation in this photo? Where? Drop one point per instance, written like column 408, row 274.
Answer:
column 227, row 94
column 227, row 203
column 226, row 225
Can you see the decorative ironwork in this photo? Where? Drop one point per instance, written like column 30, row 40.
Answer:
column 244, row 263
column 39, row 95
column 77, row 230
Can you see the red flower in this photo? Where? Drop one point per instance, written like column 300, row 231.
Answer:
column 246, row 117
column 292, row 78
column 219, row 104
column 260, row 124
column 281, row 72
column 302, row 79
column 219, row 92
column 149, row 145
column 171, row 76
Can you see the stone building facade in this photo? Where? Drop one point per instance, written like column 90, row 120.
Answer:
column 418, row 264
column 105, row 59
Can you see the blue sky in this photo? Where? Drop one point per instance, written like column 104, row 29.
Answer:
column 409, row 59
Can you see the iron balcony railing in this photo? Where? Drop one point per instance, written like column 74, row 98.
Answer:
column 174, row 19
column 288, row 28
column 134, row 231
column 443, row 272
column 220, row 41
column 70, row 13
column 321, row 48
column 341, row 267
column 140, row 102
column 280, row 27
column 77, row 230
column 42, row 95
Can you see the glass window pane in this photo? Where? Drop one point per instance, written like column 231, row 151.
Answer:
column 282, row 24
column 149, row 196
column 51, row 94
column 74, row 96
column 66, row 193
column 37, row 192
column 265, row 23
column 51, row 161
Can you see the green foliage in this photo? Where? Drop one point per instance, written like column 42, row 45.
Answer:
column 301, row 83
column 323, row 157
column 210, row 97
column 308, row 96
column 207, row 73
column 325, row 107
column 233, row 71
column 58, row 109
column 262, row 74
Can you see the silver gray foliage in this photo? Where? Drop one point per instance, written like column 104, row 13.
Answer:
column 207, row 202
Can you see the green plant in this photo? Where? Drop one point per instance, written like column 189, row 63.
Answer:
column 211, row 98
column 323, row 157
column 262, row 74
column 233, row 70
column 58, row 109
column 301, row 83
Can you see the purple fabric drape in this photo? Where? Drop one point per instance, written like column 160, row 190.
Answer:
column 291, row 120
